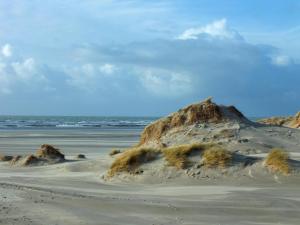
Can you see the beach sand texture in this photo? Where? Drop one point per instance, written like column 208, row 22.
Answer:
column 75, row 193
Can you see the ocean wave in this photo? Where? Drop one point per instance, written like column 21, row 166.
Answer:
column 15, row 122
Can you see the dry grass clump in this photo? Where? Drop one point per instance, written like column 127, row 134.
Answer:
column 114, row 152
column 130, row 160
column 216, row 157
column 155, row 130
column 178, row 120
column 178, row 156
column 277, row 161
column 47, row 151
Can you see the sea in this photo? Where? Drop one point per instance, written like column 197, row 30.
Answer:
column 72, row 122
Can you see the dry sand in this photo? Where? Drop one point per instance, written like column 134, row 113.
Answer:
column 75, row 193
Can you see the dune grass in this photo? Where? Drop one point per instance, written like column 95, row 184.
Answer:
column 130, row 160
column 277, row 161
column 216, row 157
column 178, row 155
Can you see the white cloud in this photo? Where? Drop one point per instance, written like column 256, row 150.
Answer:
column 281, row 60
column 6, row 50
column 217, row 29
column 156, row 81
column 16, row 75
column 27, row 70
column 107, row 68
column 165, row 83
column 89, row 77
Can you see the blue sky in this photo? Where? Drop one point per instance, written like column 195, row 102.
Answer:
column 133, row 57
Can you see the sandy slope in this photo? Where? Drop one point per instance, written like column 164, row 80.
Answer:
column 74, row 193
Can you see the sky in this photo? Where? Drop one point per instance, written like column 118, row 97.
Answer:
column 148, row 58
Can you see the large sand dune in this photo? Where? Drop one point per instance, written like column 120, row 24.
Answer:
column 202, row 127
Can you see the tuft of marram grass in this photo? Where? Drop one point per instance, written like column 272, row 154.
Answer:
column 277, row 161
column 216, row 157
column 178, row 155
column 130, row 160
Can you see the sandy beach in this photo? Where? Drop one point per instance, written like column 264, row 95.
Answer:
column 75, row 193
column 71, row 141
column 136, row 112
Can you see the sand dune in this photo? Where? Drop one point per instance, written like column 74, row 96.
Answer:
column 191, row 132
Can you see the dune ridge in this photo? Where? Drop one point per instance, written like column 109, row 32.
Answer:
column 206, row 138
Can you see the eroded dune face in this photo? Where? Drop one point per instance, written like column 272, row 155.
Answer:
column 200, row 114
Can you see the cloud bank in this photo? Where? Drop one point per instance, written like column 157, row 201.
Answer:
column 211, row 60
